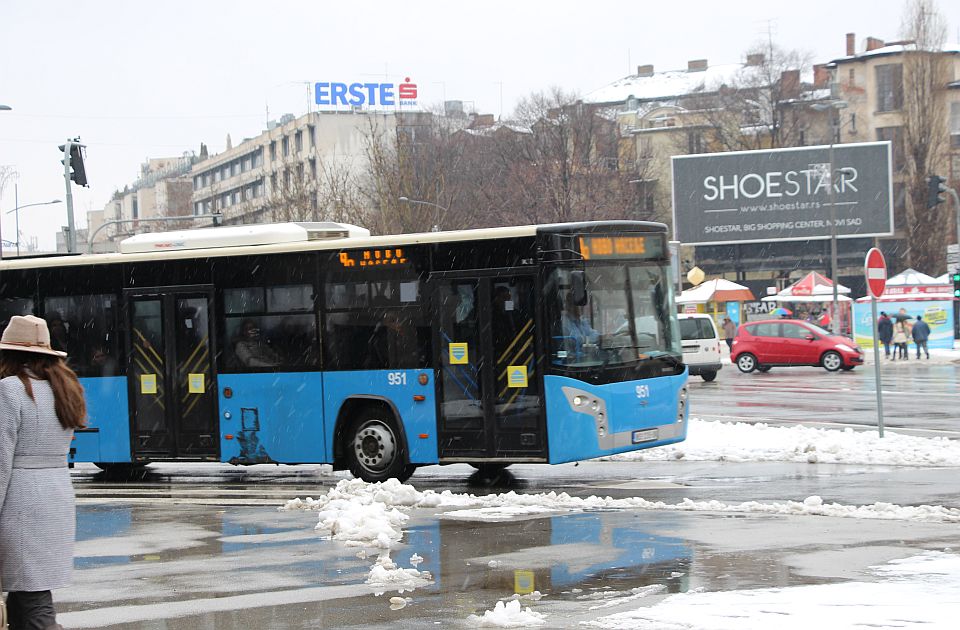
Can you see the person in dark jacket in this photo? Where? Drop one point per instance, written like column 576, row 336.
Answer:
column 921, row 333
column 41, row 403
column 885, row 332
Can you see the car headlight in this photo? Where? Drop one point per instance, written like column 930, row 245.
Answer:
column 844, row 347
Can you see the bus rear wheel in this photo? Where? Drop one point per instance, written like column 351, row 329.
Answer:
column 375, row 449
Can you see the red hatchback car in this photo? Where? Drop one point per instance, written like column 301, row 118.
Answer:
column 779, row 342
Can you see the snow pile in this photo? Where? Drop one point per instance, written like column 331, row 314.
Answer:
column 920, row 591
column 362, row 525
column 508, row 615
column 353, row 498
column 366, row 515
column 743, row 442
column 385, row 574
column 390, row 492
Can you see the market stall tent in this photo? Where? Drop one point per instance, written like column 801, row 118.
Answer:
column 813, row 287
column 918, row 294
column 718, row 290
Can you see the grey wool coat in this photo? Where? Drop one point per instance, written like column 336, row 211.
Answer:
column 37, row 505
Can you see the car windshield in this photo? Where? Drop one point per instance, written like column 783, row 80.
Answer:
column 628, row 316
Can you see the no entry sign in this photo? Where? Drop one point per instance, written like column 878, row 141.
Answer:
column 875, row 268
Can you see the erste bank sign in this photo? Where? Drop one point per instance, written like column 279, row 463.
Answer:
column 333, row 93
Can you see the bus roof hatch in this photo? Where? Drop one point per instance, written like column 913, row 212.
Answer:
column 239, row 235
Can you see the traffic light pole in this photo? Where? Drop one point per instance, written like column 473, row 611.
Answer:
column 71, row 233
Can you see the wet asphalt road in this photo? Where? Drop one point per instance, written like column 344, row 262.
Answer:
column 203, row 545
column 917, row 395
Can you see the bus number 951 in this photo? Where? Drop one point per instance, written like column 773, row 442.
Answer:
column 397, row 378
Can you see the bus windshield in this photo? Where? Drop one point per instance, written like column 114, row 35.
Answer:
column 628, row 316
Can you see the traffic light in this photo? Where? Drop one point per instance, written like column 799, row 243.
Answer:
column 956, row 285
column 73, row 160
column 936, row 186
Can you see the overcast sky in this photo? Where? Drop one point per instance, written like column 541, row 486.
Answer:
column 137, row 80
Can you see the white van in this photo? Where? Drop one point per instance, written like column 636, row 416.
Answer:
column 701, row 345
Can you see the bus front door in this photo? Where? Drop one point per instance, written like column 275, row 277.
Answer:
column 489, row 388
column 170, row 375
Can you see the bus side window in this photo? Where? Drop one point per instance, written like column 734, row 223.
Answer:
column 269, row 328
column 83, row 327
column 392, row 332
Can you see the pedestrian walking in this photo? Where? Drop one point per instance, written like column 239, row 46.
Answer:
column 901, row 335
column 729, row 332
column 41, row 403
column 885, row 332
column 921, row 333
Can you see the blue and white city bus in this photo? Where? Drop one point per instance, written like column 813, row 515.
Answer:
column 318, row 343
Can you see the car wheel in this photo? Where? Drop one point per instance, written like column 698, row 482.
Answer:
column 708, row 376
column 746, row 363
column 764, row 368
column 375, row 449
column 831, row 361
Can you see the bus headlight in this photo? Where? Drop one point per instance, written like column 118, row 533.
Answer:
column 577, row 401
column 682, row 404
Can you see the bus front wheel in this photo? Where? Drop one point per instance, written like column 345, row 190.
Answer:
column 375, row 449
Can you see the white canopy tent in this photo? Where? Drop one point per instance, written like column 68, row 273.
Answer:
column 912, row 277
column 811, row 288
column 718, row 290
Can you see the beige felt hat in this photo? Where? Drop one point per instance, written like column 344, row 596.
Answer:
column 27, row 333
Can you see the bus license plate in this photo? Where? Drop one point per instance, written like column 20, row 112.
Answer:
column 646, row 435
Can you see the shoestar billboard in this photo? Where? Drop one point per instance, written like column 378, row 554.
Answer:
column 783, row 194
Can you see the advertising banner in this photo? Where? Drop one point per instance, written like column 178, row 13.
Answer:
column 937, row 313
column 783, row 194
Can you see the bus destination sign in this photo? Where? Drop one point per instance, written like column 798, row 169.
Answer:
column 373, row 257
column 607, row 247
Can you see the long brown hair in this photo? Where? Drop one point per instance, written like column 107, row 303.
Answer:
column 69, row 403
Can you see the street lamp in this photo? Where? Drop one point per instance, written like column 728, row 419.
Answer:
column 436, row 224
column 16, row 210
column 833, row 107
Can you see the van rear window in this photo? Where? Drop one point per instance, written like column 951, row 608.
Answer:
column 696, row 328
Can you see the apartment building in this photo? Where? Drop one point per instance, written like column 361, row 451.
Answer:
column 870, row 86
column 748, row 105
column 163, row 189
column 280, row 175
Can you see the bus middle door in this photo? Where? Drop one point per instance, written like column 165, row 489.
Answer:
column 170, row 375
column 488, row 387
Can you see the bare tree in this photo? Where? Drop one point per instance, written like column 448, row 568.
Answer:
column 925, row 76
column 556, row 160
column 753, row 107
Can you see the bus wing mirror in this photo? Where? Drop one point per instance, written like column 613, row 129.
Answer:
column 578, row 283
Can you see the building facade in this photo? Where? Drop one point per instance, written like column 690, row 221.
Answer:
column 763, row 104
column 291, row 171
column 164, row 189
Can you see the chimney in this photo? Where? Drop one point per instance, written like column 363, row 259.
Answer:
column 821, row 75
column 479, row 121
column 790, row 84
column 755, row 59
column 645, row 71
column 873, row 43
column 696, row 65
column 851, row 44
